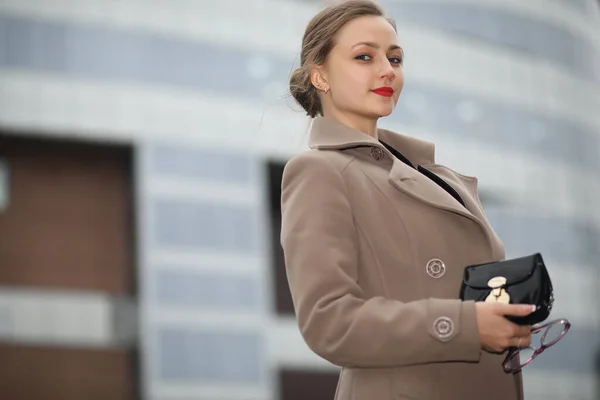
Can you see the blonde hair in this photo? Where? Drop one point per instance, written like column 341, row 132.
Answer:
column 317, row 42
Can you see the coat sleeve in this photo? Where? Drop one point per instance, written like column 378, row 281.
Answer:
column 337, row 322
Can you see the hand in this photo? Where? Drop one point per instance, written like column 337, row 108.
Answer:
column 498, row 333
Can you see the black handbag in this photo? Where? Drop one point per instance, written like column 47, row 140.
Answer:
column 523, row 280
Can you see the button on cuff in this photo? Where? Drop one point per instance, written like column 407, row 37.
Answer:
column 443, row 327
column 452, row 324
column 444, row 318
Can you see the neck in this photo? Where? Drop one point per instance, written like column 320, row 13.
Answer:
column 365, row 125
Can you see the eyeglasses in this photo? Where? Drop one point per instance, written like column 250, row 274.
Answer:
column 553, row 331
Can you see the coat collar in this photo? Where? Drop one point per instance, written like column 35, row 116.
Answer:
column 327, row 133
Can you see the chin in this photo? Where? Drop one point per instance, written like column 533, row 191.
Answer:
column 375, row 114
column 374, row 111
column 381, row 108
column 383, row 111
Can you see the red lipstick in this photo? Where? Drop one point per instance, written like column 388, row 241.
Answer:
column 384, row 91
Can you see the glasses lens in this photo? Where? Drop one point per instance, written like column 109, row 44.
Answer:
column 553, row 334
column 525, row 355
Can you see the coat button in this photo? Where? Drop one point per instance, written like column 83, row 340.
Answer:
column 377, row 153
column 435, row 268
column 443, row 327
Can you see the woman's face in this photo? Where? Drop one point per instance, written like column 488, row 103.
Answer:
column 364, row 70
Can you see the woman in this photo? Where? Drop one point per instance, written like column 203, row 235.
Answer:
column 376, row 235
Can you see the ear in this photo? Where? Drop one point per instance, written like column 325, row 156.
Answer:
column 318, row 77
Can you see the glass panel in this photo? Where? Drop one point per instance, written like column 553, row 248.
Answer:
column 533, row 36
column 581, row 5
column 205, row 226
column 523, row 233
column 208, row 290
column 475, row 118
column 210, row 357
column 202, row 163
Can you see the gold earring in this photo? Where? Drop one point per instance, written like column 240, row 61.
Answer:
column 326, row 90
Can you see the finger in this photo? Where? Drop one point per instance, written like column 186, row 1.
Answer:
column 520, row 341
column 517, row 310
column 524, row 330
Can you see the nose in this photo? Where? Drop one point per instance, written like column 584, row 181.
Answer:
column 387, row 71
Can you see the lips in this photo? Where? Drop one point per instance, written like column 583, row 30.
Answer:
column 385, row 91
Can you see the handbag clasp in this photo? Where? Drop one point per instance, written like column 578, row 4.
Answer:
column 498, row 293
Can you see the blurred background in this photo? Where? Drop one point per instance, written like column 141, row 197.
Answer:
column 141, row 151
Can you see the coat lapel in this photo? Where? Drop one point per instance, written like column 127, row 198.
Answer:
column 328, row 133
column 420, row 187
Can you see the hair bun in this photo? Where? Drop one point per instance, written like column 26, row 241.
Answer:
column 304, row 92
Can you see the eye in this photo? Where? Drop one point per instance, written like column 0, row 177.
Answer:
column 363, row 57
column 396, row 60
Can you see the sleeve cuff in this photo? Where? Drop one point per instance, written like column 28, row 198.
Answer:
column 454, row 323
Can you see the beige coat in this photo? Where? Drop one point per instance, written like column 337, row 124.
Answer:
column 374, row 253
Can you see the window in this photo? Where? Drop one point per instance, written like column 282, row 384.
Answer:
column 283, row 298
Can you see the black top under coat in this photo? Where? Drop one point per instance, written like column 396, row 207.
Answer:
column 439, row 181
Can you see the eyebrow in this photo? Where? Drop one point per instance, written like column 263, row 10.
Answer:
column 376, row 46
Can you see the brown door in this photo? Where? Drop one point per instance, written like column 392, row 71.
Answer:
column 68, row 219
